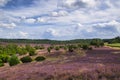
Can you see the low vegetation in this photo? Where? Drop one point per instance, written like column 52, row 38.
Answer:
column 14, row 60
column 40, row 58
column 114, row 45
column 26, row 59
column 62, row 60
column 1, row 63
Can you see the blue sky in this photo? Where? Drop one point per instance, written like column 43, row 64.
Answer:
column 59, row 19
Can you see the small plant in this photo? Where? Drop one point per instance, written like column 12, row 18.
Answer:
column 85, row 46
column 39, row 47
column 65, row 48
column 26, row 59
column 1, row 63
column 49, row 49
column 57, row 48
column 90, row 48
column 13, row 60
column 22, row 51
column 70, row 48
column 80, row 53
column 4, row 58
column 32, row 52
column 40, row 58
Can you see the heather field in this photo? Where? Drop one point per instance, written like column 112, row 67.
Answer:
column 97, row 64
column 59, row 39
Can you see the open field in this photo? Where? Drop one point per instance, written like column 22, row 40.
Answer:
column 98, row 64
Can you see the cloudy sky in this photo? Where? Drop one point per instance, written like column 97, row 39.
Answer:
column 59, row 19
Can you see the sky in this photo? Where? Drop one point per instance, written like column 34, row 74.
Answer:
column 59, row 19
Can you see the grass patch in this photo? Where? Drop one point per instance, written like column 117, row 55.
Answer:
column 117, row 45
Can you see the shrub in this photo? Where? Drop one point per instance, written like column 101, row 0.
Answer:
column 90, row 48
column 4, row 58
column 57, row 48
column 65, row 47
column 80, row 52
column 85, row 46
column 1, row 63
column 40, row 58
column 70, row 48
column 13, row 60
column 22, row 51
column 39, row 47
column 49, row 49
column 32, row 52
column 26, row 59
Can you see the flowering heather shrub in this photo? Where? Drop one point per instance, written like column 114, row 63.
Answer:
column 26, row 59
column 13, row 60
column 40, row 58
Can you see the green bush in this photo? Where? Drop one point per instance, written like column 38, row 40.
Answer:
column 49, row 49
column 39, row 47
column 85, row 46
column 57, row 48
column 1, row 63
column 22, row 51
column 90, row 48
column 4, row 58
column 26, row 59
column 13, row 60
column 40, row 58
column 32, row 52
column 70, row 48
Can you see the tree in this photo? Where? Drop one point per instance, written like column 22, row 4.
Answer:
column 97, row 42
column 116, row 40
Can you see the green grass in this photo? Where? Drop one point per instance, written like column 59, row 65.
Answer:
column 114, row 45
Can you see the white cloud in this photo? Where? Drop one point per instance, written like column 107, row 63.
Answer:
column 53, row 32
column 109, row 26
column 63, row 18
column 18, row 35
column 38, row 8
column 42, row 20
column 23, row 34
column 7, row 25
column 4, row 2
column 76, row 4
column 59, row 13
column 30, row 20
